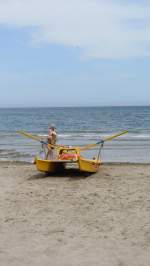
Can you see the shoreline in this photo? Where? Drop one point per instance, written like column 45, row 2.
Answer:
column 103, row 163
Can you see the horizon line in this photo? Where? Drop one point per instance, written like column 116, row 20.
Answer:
column 72, row 106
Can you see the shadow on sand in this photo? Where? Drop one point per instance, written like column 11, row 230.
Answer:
column 73, row 174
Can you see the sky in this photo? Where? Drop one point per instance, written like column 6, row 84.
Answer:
column 74, row 53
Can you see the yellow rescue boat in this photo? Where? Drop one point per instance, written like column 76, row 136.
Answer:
column 68, row 156
column 65, row 155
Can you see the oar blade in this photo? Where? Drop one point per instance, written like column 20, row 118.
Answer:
column 89, row 146
column 116, row 135
column 29, row 135
column 37, row 138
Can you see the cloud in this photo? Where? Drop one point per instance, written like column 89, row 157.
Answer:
column 100, row 28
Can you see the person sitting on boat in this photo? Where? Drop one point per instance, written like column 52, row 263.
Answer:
column 52, row 137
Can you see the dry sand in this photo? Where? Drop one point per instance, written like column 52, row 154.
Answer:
column 73, row 220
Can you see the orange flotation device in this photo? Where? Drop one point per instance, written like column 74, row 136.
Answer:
column 68, row 156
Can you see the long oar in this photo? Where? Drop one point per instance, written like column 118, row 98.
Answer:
column 89, row 146
column 31, row 136
column 37, row 138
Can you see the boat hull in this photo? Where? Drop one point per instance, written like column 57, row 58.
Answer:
column 87, row 165
column 48, row 166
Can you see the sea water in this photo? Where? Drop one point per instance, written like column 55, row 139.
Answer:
column 78, row 126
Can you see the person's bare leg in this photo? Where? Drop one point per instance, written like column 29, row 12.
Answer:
column 49, row 155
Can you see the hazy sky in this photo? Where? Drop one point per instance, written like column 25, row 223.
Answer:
column 74, row 52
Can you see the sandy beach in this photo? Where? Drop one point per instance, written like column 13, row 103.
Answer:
column 75, row 220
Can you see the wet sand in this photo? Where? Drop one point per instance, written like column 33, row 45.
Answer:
column 73, row 219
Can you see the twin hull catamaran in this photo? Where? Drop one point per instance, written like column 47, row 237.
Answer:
column 68, row 155
column 65, row 157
